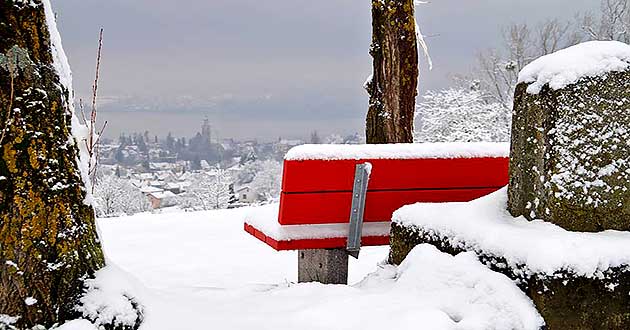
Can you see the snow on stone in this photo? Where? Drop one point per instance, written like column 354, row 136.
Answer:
column 485, row 226
column 265, row 219
column 398, row 151
column 567, row 66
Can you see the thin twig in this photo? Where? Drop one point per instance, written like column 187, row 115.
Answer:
column 94, row 137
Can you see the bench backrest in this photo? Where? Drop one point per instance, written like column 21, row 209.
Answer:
column 317, row 180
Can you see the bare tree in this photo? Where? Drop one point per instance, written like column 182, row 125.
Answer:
column 461, row 115
column 208, row 191
column 497, row 69
column 613, row 22
column 114, row 196
column 553, row 35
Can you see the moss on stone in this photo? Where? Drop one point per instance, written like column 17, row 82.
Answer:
column 570, row 160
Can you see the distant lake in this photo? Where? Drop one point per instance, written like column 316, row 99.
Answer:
column 186, row 124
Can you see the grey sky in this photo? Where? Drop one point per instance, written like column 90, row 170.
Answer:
column 292, row 64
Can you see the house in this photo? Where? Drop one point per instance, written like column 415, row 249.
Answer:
column 162, row 199
column 246, row 195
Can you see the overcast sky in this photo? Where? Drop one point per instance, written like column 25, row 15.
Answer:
column 263, row 68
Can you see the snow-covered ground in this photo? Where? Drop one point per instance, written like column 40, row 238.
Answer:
column 200, row 270
column 205, row 249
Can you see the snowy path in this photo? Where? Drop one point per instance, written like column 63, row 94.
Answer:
column 202, row 271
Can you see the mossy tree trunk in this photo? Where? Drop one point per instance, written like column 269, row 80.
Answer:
column 393, row 87
column 48, row 239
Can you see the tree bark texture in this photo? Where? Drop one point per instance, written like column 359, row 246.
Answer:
column 393, row 86
column 48, row 239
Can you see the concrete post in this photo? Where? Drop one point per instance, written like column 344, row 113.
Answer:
column 327, row 266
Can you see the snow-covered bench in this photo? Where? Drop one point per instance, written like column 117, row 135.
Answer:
column 318, row 185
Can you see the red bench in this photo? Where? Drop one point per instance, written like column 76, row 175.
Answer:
column 317, row 189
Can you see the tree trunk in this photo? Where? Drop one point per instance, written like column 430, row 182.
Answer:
column 393, row 86
column 48, row 239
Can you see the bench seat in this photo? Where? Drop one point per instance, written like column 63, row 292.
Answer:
column 263, row 224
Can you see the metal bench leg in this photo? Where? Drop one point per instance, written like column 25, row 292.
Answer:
column 327, row 266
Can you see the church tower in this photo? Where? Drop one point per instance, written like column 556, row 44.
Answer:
column 205, row 130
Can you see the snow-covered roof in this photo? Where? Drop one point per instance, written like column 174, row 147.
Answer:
column 567, row 66
column 157, row 183
column 243, row 188
column 172, row 185
column 398, row 151
column 150, row 189
column 162, row 194
column 144, row 176
column 485, row 226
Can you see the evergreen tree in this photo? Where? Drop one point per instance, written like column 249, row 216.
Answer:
column 233, row 197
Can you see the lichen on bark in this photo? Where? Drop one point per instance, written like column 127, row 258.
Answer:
column 48, row 239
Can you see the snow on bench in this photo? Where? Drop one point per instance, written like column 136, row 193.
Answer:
column 317, row 188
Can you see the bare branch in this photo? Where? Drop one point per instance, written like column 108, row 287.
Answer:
column 93, row 139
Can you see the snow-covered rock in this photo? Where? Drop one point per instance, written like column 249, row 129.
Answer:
column 577, row 280
column 567, row 66
column 484, row 225
column 570, row 157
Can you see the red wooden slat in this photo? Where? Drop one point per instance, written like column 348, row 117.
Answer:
column 306, row 244
column 328, row 243
column 396, row 174
column 334, row 207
